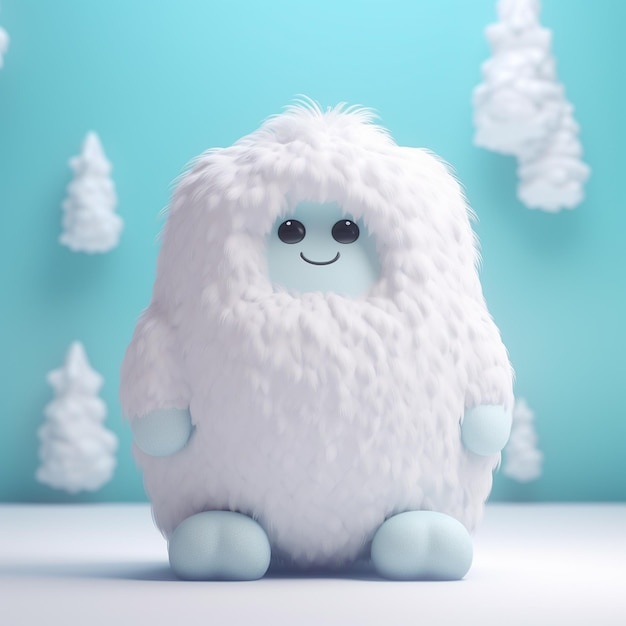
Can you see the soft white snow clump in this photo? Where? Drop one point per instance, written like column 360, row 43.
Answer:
column 90, row 223
column 521, row 109
column 522, row 458
column 4, row 44
column 77, row 452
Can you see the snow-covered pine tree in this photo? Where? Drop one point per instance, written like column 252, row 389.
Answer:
column 554, row 177
column 522, row 458
column 519, row 102
column 76, row 451
column 4, row 44
column 520, row 108
column 90, row 223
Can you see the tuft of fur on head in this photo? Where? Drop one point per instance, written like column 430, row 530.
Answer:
column 306, row 116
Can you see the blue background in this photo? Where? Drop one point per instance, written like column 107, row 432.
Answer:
column 162, row 81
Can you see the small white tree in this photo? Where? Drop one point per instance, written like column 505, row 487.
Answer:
column 554, row 177
column 4, row 44
column 521, row 109
column 522, row 458
column 519, row 101
column 76, row 451
column 90, row 223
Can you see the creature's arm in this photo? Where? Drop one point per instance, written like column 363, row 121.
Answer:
column 152, row 390
column 486, row 424
column 485, row 429
column 163, row 431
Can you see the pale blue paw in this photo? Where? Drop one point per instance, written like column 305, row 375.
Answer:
column 422, row 545
column 219, row 545
column 486, row 428
column 162, row 432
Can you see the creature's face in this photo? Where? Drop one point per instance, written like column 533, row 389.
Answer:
column 320, row 248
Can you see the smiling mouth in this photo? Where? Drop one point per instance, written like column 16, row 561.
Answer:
column 336, row 258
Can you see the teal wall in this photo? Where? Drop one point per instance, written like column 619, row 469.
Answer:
column 162, row 81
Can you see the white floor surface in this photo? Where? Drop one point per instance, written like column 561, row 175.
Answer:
column 97, row 565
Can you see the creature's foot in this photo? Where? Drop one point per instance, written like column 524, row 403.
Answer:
column 422, row 545
column 219, row 545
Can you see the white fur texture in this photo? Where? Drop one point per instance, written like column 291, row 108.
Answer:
column 318, row 415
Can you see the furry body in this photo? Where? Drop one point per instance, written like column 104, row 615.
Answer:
column 318, row 415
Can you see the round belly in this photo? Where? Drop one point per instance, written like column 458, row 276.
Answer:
column 320, row 487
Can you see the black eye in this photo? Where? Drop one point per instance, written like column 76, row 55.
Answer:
column 345, row 231
column 291, row 231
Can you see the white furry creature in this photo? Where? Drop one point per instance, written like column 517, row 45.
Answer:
column 317, row 378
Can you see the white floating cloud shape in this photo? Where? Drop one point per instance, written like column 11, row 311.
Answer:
column 4, row 44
